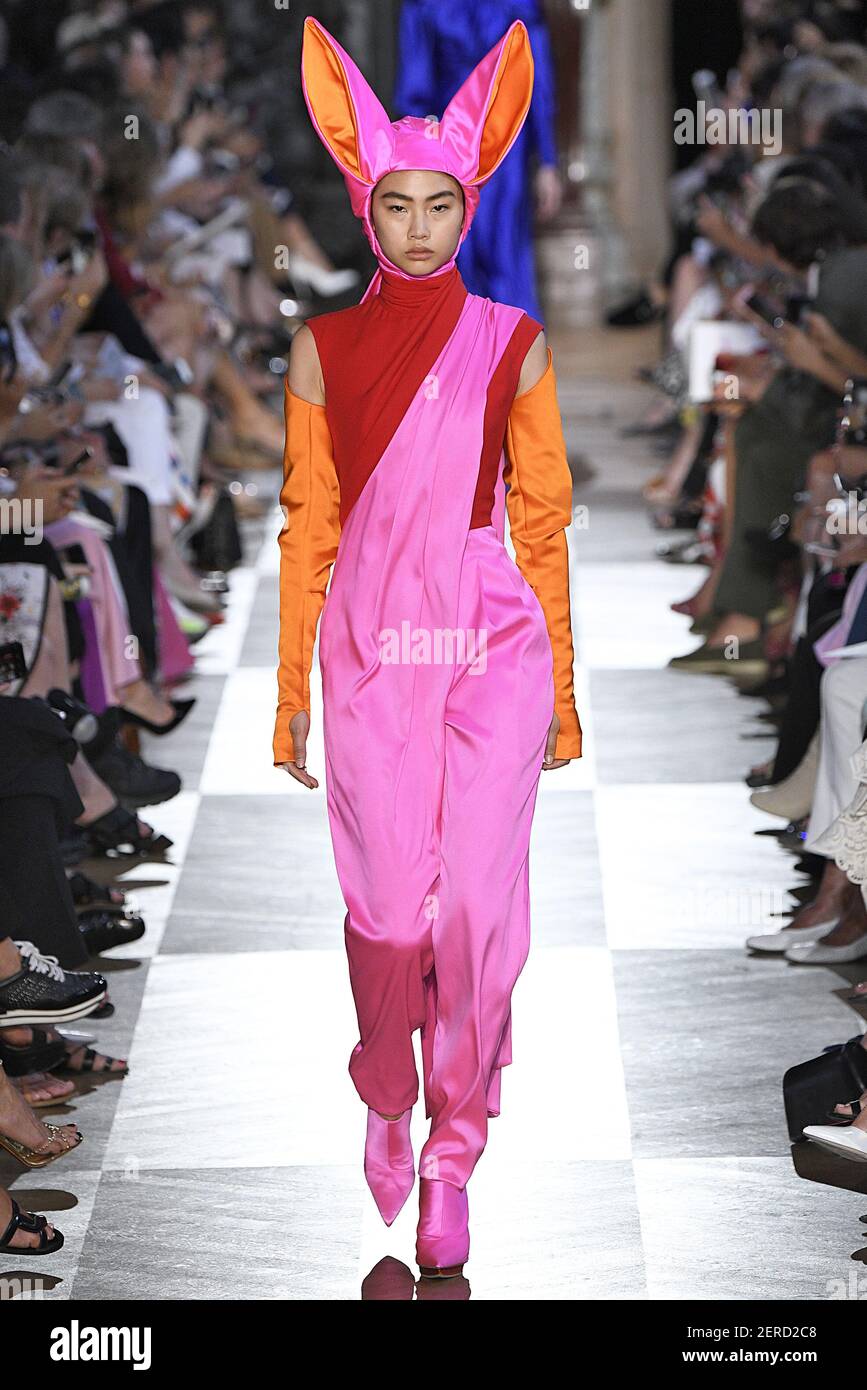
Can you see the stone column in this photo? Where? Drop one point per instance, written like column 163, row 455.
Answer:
column 639, row 92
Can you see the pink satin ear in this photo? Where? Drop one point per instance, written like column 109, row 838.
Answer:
column 348, row 116
column 484, row 117
column 479, row 127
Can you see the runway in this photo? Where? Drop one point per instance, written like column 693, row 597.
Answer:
column 642, row 1149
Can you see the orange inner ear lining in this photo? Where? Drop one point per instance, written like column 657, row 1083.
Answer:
column 329, row 95
column 503, row 118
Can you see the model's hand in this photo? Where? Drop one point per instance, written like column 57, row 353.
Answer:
column 551, row 745
column 299, row 728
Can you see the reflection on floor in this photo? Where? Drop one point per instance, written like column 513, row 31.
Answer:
column 642, row 1150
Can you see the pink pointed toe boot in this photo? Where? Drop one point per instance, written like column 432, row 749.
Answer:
column 443, row 1239
column 389, row 1165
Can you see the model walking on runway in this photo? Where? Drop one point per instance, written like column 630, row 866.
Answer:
column 446, row 669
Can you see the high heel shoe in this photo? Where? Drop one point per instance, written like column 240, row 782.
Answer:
column 389, row 1164
column 443, row 1238
column 38, row 1158
column 180, row 707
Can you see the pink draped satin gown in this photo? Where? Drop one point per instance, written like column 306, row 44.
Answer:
column 434, row 747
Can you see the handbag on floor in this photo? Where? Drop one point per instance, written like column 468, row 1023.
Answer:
column 813, row 1088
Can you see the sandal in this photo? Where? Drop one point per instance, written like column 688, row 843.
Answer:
column 37, row 1158
column 41, row 1054
column 90, row 1056
column 116, row 835
column 33, row 1225
column 36, row 1081
column 854, row 1105
column 90, row 896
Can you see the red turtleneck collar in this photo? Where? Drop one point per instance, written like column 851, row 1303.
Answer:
column 424, row 293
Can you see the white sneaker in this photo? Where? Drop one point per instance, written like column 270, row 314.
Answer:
column 778, row 942
column 846, row 1141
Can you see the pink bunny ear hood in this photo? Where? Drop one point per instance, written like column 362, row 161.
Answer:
column 478, row 127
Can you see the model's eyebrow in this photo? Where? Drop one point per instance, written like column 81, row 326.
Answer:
column 405, row 197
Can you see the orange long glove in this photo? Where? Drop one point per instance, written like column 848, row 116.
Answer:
column 308, row 547
column 539, row 503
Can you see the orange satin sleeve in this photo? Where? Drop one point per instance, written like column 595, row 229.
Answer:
column 310, row 497
column 539, row 503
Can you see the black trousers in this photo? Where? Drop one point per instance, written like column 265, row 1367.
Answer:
column 132, row 551
column 36, row 902
column 801, row 717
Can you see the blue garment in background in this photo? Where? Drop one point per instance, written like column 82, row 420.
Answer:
column 439, row 44
column 858, row 631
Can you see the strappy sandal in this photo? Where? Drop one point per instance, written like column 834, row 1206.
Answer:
column 40, row 1054
column 90, row 896
column 90, row 1056
column 32, row 1225
column 37, row 1158
column 116, row 835
column 836, row 1118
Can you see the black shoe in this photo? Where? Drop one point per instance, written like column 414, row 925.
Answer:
column 133, row 781
column 811, row 864
column 103, row 930
column 180, row 707
column 759, row 779
column 117, row 834
column 634, row 313
column 90, row 896
column 42, row 992
column 40, row 1054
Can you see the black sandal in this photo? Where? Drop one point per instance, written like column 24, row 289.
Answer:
column 834, row 1115
column 90, row 1056
column 32, row 1225
column 41, row 1054
column 116, row 835
column 90, row 896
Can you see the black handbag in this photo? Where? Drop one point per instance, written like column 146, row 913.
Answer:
column 813, row 1088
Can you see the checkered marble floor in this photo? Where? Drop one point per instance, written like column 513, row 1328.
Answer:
column 641, row 1151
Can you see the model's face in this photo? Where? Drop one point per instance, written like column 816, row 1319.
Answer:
column 418, row 215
